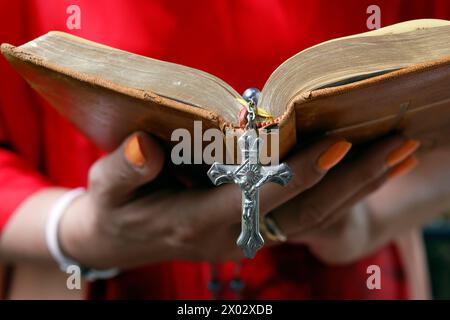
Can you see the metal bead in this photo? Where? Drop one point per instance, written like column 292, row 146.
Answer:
column 237, row 284
column 251, row 93
column 214, row 285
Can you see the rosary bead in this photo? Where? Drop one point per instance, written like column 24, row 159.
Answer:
column 251, row 93
column 214, row 285
column 237, row 284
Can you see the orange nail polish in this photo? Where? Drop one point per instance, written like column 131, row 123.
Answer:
column 402, row 152
column 333, row 155
column 403, row 167
column 134, row 152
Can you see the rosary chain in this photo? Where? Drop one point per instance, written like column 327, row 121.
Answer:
column 251, row 116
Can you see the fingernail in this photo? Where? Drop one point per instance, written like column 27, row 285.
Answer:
column 403, row 167
column 134, row 152
column 333, row 155
column 402, row 152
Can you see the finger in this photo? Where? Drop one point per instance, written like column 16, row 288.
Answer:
column 359, row 196
column 340, row 187
column 114, row 178
column 400, row 169
column 308, row 166
column 301, row 232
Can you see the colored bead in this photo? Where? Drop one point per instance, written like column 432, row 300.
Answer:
column 237, row 284
column 214, row 285
column 243, row 117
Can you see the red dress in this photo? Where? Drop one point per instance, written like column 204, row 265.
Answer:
column 241, row 42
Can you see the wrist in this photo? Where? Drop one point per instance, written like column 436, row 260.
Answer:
column 53, row 232
column 76, row 232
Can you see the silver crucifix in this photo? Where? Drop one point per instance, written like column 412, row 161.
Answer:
column 250, row 175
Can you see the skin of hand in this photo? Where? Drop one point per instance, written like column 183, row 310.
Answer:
column 402, row 205
column 349, row 183
column 115, row 225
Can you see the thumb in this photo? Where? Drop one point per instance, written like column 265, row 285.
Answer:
column 114, row 178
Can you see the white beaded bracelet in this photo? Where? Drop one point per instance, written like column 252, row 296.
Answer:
column 51, row 235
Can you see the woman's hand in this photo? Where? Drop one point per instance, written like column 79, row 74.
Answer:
column 327, row 217
column 116, row 224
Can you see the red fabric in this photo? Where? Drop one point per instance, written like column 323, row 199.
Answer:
column 242, row 42
column 298, row 273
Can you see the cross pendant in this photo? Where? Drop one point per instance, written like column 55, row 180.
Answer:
column 250, row 175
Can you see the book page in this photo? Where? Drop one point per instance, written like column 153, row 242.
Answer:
column 180, row 83
column 355, row 58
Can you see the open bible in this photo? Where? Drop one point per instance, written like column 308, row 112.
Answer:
column 359, row 87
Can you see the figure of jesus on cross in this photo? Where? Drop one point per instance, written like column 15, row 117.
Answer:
column 250, row 175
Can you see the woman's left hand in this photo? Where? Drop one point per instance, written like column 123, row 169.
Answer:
column 326, row 217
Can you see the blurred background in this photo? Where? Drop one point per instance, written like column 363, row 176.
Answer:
column 437, row 244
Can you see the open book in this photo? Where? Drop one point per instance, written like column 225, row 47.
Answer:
column 359, row 87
